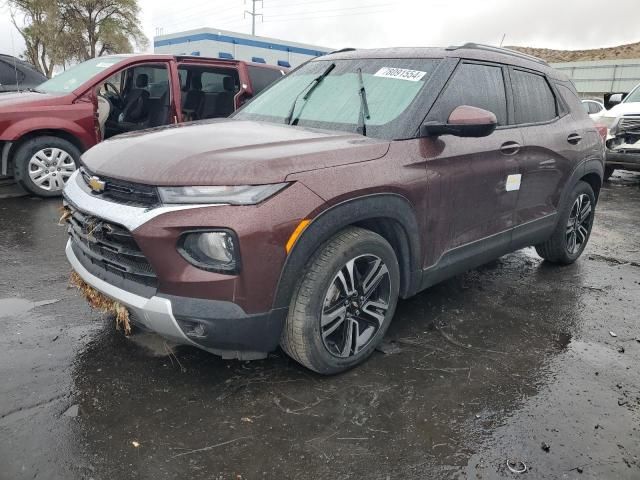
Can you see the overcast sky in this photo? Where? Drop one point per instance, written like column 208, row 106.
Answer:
column 561, row 24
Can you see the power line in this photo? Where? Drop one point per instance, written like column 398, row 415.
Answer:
column 254, row 15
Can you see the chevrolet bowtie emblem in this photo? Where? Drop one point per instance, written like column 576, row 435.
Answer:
column 97, row 185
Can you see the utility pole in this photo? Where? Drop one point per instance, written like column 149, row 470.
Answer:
column 254, row 15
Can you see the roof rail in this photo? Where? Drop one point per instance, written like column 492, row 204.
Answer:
column 506, row 51
column 347, row 49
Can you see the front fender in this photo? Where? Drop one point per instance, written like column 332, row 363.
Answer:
column 356, row 211
column 26, row 126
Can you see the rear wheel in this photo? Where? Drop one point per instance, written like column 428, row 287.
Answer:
column 43, row 165
column 574, row 227
column 344, row 302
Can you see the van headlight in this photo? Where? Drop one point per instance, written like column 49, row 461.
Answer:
column 229, row 195
column 215, row 250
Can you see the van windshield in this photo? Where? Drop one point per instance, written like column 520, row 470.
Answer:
column 393, row 88
column 71, row 79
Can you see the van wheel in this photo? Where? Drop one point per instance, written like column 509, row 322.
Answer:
column 574, row 227
column 343, row 303
column 42, row 165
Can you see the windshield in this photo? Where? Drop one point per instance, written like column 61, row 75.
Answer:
column 392, row 93
column 71, row 79
column 634, row 96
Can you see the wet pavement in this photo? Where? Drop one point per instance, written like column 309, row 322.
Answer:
column 517, row 361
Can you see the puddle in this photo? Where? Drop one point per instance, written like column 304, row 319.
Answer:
column 16, row 306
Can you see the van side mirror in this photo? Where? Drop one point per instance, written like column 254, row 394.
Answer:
column 615, row 99
column 464, row 121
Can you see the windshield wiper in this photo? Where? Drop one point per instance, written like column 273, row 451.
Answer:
column 364, row 107
column 311, row 87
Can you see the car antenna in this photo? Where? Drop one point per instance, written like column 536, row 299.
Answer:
column 15, row 65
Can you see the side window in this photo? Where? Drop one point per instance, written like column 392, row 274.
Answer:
column 154, row 79
column 475, row 85
column 9, row 73
column 533, row 99
column 572, row 100
column 261, row 78
column 594, row 107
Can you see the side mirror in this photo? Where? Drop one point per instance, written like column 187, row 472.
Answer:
column 615, row 99
column 464, row 121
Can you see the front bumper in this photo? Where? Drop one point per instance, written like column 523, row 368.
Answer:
column 225, row 329
column 629, row 160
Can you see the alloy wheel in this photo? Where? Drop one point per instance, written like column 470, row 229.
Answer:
column 579, row 224
column 50, row 168
column 355, row 305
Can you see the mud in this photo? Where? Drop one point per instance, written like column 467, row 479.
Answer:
column 513, row 362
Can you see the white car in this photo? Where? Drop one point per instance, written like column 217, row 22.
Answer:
column 593, row 107
column 623, row 132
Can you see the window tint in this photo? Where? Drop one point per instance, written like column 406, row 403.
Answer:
column 533, row 99
column 261, row 78
column 475, row 85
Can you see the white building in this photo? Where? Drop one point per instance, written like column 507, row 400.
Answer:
column 599, row 78
column 209, row 42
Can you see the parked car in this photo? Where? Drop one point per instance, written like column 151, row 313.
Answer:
column 593, row 107
column 44, row 131
column 622, row 121
column 361, row 177
column 17, row 75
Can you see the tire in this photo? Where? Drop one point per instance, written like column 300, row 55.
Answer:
column 560, row 247
column 319, row 344
column 43, row 164
column 608, row 171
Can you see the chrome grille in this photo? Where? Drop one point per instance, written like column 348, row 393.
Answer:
column 109, row 246
column 127, row 193
column 630, row 125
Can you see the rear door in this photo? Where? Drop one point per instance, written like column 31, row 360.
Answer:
column 553, row 145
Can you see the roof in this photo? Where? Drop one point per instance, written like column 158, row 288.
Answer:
column 195, row 58
column 468, row 51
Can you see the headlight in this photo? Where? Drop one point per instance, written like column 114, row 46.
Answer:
column 214, row 250
column 233, row 195
column 609, row 122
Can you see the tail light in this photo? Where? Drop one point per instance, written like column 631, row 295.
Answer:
column 602, row 130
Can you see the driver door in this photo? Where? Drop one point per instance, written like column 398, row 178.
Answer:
column 482, row 173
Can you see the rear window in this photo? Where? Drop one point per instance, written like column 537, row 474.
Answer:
column 261, row 78
column 533, row 99
column 476, row 85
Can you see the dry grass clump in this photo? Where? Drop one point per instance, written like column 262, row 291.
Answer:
column 65, row 214
column 100, row 302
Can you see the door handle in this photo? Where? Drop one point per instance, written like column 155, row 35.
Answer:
column 510, row 148
column 574, row 139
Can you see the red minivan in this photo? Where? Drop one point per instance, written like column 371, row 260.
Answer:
column 43, row 131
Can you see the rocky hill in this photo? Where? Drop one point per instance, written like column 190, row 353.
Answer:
column 631, row 50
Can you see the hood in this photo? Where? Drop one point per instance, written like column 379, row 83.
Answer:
column 10, row 100
column 631, row 108
column 226, row 152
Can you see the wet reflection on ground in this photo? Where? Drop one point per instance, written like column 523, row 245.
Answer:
column 484, row 368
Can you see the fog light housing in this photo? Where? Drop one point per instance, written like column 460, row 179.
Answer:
column 214, row 250
column 193, row 329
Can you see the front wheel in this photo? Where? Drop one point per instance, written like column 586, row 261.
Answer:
column 572, row 233
column 43, row 165
column 344, row 302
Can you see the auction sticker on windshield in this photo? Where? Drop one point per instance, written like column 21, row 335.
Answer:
column 400, row 73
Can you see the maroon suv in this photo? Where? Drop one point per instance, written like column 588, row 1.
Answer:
column 361, row 177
